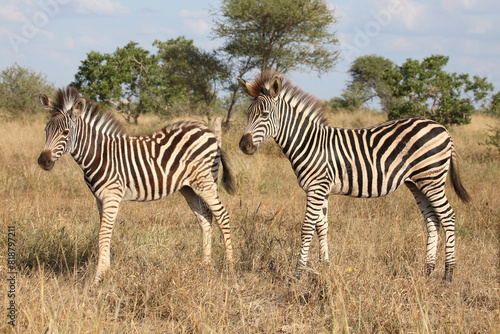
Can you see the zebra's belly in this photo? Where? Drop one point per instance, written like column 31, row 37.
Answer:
column 142, row 196
column 364, row 187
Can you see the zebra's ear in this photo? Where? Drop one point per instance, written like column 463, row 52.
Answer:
column 247, row 86
column 47, row 104
column 44, row 100
column 78, row 107
column 275, row 86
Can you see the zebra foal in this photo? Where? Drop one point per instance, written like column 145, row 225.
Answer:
column 370, row 162
column 183, row 156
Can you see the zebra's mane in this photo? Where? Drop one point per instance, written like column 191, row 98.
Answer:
column 307, row 103
column 93, row 114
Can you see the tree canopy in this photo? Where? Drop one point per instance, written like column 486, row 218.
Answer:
column 178, row 72
column 130, row 74
column 281, row 35
column 427, row 90
column 194, row 72
column 367, row 71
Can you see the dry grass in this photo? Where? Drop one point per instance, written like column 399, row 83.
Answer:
column 374, row 284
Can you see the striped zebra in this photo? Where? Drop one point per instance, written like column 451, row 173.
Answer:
column 370, row 162
column 117, row 167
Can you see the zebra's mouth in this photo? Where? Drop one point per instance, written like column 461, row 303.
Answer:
column 246, row 144
column 45, row 160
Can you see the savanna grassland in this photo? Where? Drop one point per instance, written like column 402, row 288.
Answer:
column 156, row 284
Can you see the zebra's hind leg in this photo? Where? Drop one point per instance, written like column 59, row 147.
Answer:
column 204, row 217
column 446, row 216
column 432, row 223
column 442, row 214
column 210, row 197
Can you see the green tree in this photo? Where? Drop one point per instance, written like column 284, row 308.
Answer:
column 367, row 71
column 195, row 72
column 97, row 79
column 282, row 35
column 353, row 97
column 493, row 108
column 129, row 75
column 427, row 90
column 20, row 87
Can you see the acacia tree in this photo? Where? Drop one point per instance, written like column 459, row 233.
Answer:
column 282, row 35
column 427, row 90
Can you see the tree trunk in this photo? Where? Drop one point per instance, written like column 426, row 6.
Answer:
column 138, row 112
column 234, row 97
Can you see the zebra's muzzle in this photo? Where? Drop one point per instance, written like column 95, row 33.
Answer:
column 45, row 160
column 246, row 144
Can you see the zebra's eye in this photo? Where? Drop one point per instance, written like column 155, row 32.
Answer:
column 265, row 114
column 65, row 132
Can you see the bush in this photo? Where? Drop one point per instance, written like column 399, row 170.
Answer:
column 20, row 87
column 494, row 138
column 425, row 89
column 494, row 110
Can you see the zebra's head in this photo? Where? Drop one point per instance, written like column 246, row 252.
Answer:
column 61, row 130
column 262, row 114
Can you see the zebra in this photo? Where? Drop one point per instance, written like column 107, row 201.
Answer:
column 183, row 156
column 369, row 162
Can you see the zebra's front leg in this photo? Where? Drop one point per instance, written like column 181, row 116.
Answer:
column 108, row 212
column 322, row 231
column 314, row 211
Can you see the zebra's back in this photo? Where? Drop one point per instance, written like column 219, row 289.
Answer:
column 163, row 162
column 375, row 161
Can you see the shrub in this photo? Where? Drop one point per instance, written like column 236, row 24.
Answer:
column 20, row 87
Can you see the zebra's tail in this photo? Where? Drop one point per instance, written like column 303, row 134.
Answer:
column 455, row 177
column 227, row 176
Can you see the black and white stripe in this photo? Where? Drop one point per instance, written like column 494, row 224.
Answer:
column 370, row 162
column 117, row 167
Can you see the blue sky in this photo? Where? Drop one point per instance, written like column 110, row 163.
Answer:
column 54, row 36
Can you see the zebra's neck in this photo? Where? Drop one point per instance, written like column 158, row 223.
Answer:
column 296, row 131
column 92, row 139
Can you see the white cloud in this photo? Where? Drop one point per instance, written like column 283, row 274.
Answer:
column 153, row 30
column 101, row 7
column 69, row 43
column 195, row 21
column 198, row 27
column 414, row 15
column 10, row 13
column 184, row 13
column 91, row 41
